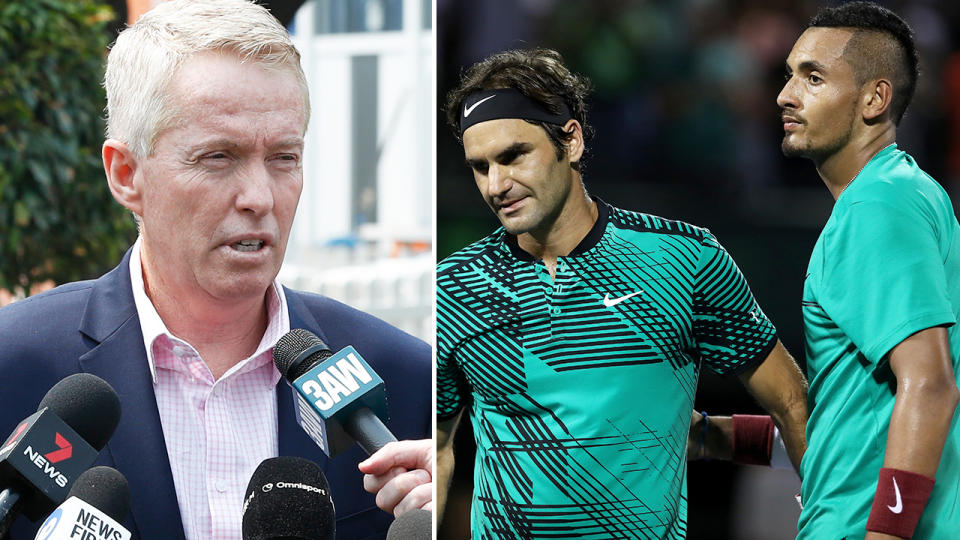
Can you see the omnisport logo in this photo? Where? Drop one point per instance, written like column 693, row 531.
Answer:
column 268, row 487
column 288, row 485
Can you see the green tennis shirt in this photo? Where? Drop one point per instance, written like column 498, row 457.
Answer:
column 580, row 387
column 886, row 265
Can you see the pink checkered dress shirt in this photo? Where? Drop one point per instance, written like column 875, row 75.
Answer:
column 216, row 431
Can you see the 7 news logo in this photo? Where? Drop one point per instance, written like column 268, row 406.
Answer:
column 43, row 448
column 65, row 450
column 45, row 461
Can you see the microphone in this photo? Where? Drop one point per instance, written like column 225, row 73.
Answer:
column 50, row 448
column 340, row 399
column 94, row 510
column 288, row 499
column 412, row 525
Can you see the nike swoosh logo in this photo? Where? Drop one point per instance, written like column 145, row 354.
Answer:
column 896, row 509
column 610, row 302
column 468, row 110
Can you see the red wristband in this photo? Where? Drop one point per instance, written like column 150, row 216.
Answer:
column 899, row 502
column 752, row 439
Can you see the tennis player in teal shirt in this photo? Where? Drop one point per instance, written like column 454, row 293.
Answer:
column 574, row 335
column 882, row 292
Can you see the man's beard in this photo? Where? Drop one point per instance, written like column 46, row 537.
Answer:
column 818, row 154
column 790, row 150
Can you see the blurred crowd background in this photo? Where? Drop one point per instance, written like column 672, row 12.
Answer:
column 687, row 127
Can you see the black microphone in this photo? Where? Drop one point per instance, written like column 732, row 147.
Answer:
column 288, row 499
column 340, row 399
column 412, row 525
column 97, row 505
column 51, row 447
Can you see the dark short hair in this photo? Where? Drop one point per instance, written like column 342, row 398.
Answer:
column 538, row 74
column 882, row 46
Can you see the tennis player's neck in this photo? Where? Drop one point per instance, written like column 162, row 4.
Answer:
column 841, row 168
column 565, row 234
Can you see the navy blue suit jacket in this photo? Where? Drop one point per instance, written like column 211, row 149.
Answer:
column 93, row 327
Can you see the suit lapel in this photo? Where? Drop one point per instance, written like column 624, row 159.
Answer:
column 137, row 448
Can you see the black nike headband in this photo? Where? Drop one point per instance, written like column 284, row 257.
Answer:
column 484, row 105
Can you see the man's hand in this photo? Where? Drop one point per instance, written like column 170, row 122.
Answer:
column 401, row 474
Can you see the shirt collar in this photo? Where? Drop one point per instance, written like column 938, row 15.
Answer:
column 509, row 242
column 152, row 326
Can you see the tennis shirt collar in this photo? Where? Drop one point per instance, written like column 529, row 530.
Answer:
column 509, row 243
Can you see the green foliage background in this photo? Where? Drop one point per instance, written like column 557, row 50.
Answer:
column 58, row 220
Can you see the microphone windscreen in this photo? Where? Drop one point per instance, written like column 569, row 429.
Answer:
column 287, row 353
column 88, row 404
column 412, row 525
column 104, row 488
column 288, row 497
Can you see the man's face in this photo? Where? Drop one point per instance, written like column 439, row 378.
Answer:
column 219, row 191
column 516, row 169
column 819, row 100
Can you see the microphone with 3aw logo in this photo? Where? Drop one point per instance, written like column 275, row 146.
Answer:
column 98, row 502
column 50, row 448
column 340, row 399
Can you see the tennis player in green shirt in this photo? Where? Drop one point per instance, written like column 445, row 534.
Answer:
column 882, row 292
column 573, row 336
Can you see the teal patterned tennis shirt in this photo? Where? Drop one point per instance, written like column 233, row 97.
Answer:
column 580, row 387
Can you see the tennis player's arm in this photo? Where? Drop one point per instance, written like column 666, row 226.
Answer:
column 926, row 401
column 781, row 389
column 445, row 432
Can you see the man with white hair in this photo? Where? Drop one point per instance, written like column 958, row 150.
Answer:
column 207, row 109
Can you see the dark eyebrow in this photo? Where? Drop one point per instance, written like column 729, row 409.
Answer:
column 506, row 155
column 812, row 65
column 475, row 163
column 509, row 153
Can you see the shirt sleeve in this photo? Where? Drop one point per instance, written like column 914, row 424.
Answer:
column 730, row 330
column 451, row 384
column 883, row 276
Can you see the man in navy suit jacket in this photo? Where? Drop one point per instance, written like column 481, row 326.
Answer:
column 93, row 327
column 207, row 109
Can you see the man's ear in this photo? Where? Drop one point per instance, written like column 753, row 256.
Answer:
column 120, row 166
column 876, row 102
column 575, row 143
